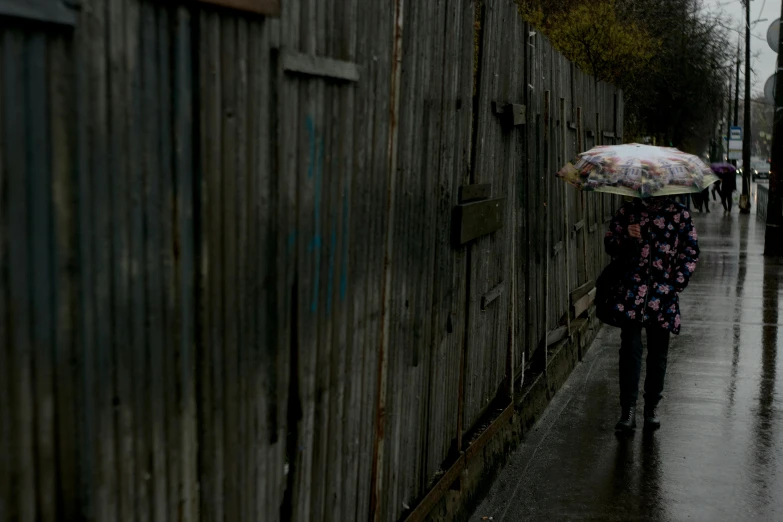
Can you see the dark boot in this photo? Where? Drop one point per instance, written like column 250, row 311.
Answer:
column 651, row 420
column 627, row 422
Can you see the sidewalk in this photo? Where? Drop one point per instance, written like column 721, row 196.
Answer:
column 719, row 453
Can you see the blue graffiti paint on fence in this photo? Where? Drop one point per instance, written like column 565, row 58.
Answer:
column 291, row 242
column 332, row 245
column 315, row 173
column 344, row 260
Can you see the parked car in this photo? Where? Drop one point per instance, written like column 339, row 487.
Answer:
column 759, row 170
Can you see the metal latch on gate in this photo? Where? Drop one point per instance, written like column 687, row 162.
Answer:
column 514, row 113
column 477, row 213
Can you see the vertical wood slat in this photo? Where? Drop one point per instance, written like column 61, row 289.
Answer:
column 250, row 410
column 384, row 296
column 169, row 406
column 243, row 339
column 261, row 470
column 119, row 118
column 547, row 116
column 7, row 463
column 22, row 492
column 61, row 93
column 185, row 433
column 108, row 498
column 42, row 291
column 371, row 246
column 210, row 461
column 229, row 277
column 7, row 458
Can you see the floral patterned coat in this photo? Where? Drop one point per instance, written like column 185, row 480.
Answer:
column 658, row 267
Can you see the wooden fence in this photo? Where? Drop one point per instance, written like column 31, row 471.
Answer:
column 282, row 264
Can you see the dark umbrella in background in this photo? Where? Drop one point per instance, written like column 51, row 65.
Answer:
column 724, row 168
column 728, row 179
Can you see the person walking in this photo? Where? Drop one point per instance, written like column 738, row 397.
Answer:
column 698, row 202
column 705, row 194
column 728, row 184
column 657, row 244
column 715, row 190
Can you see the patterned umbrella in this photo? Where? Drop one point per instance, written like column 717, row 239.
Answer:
column 639, row 171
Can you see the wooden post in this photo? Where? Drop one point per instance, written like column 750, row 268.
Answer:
column 567, row 211
column 585, row 202
column 377, row 489
column 548, row 250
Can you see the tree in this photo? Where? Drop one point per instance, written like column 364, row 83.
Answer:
column 669, row 56
column 593, row 36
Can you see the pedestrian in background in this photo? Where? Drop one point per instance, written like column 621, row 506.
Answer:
column 702, row 201
column 728, row 184
column 658, row 245
column 715, row 190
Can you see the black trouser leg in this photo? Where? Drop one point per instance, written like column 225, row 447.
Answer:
column 657, row 356
column 630, row 364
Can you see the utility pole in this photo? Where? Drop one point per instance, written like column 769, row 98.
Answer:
column 736, row 89
column 773, row 238
column 746, row 131
column 736, row 93
column 729, row 123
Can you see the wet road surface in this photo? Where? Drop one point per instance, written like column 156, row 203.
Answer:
column 719, row 453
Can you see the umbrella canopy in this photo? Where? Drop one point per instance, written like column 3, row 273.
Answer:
column 723, row 168
column 639, row 171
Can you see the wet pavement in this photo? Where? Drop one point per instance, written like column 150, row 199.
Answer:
column 719, row 452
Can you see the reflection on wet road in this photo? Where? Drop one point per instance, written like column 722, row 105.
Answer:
column 719, row 453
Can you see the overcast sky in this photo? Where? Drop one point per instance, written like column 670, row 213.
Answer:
column 764, row 63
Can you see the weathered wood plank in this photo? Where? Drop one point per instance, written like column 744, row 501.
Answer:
column 324, row 103
column 470, row 193
column 319, row 66
column 379, row 97
column 170, row 405
column 474, row 220
column 65, row 252
column 229, row 278
column 22, row 494
column 244, row 279
column 185, row 300
column 7, row 426
column 155, row 392
column 491, row 296
column 556, row 335
column 581, row 291
column 582, row 304
column 41, row 285
column 120, row 115
column 94, row 26
column 212, row 197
